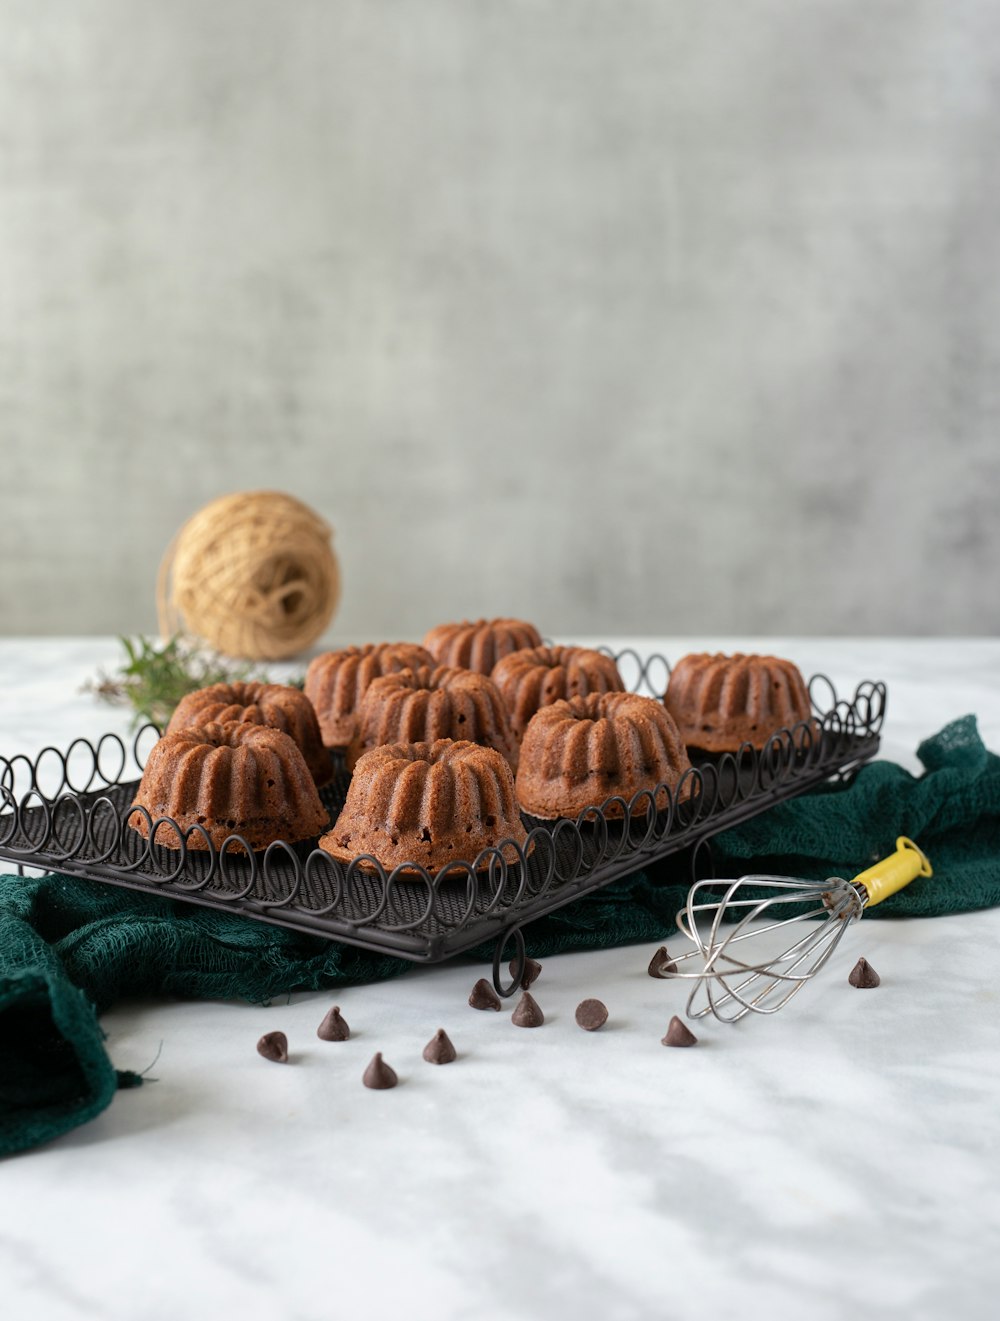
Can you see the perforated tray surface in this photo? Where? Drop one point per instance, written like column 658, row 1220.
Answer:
column 62, row 814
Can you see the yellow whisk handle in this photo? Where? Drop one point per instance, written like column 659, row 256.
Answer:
column 894, row 872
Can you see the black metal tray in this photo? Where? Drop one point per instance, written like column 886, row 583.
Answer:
column 68, row 812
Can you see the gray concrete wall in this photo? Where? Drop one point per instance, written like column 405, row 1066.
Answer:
column 632, row 315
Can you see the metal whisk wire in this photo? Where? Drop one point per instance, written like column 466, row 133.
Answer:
column 772, row 982
column 732, row 985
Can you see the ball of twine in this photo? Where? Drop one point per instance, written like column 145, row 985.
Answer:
column 252, row 573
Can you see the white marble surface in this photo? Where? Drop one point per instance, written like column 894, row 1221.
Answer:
column 838, row 1160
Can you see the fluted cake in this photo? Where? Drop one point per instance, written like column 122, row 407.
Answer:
column 336, row 682
column 479, row 644
column 423, row 705
column 538, row 676
column 721, row 702
column 428, row 803
column 578, row 753
column 237, row 778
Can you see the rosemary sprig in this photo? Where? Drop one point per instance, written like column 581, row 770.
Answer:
column 156, row 675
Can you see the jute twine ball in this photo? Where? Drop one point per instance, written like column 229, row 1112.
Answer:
column 253, row 573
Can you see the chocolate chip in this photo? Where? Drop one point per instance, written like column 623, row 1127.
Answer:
column 661, row 964
column 591, row 1014
column 527, row 1013
column 530, row 974
column 333, row 1027
column 678, row 1034
column 439, row 1049
column 483, row 996
column 274, row 1046
column 864, row 976
column 378, row 1075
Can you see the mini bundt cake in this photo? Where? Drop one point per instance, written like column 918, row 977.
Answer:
column 428, row 803
column 229, row 779
column 539, row 676
column 423, row 705
column 479, row 645
column 577, row 753
column 276, row 705
column 721, row 702
column 336, row 681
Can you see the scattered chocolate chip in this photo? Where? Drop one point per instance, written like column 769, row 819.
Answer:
column 678, row 1034
column 863, row 975
column 378, row 1075
column 591, row 1014
column 661, row 964
column 439, row 1049
column 274, row 1046
column 530, row 974
column 483, row 996
column 527, row 1013
column 333, row 1027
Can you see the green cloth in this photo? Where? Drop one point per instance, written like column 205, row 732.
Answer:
column 71, row 948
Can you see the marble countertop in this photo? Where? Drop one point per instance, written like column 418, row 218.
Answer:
column 839, row 1159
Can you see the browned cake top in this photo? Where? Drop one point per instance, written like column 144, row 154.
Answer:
column 429, row 803
column 276, row 705
column 602, row 734
column 479, row 644
column 537, row 676
column 739, row 685
column 336, row 681
column 418, row 706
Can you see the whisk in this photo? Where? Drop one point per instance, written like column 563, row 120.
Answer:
column 732, row 982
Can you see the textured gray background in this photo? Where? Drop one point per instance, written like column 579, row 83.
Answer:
column 649, row 316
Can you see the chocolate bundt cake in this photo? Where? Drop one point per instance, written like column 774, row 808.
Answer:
column 577, row 753
column 538, row 676
column 721, row 702
column 229, row 779
column 423, row 705
column 336, row 681
column 276, row 705
column 429, row 803
column 479, row 645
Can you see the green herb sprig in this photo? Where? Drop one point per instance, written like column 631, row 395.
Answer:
column 156, row 675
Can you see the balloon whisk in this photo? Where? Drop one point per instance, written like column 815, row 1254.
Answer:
column 735, row 979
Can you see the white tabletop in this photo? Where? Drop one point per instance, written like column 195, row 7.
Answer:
column 839, row 1159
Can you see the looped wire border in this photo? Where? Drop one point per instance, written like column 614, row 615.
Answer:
column 502, row 879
